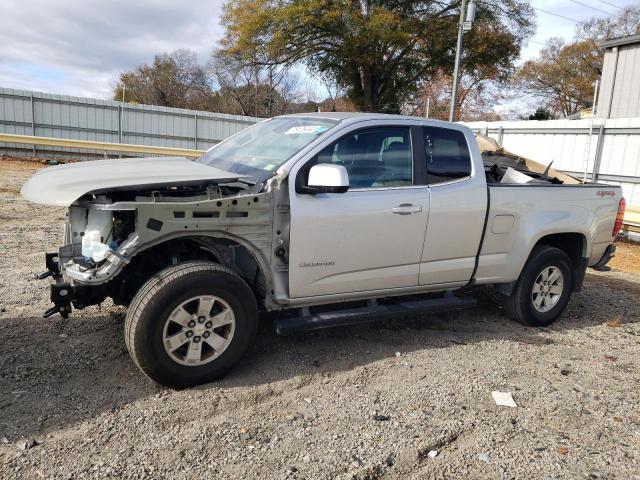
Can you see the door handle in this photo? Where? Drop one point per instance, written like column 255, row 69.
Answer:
column 407, row 209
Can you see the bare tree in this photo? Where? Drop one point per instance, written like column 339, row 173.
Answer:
column 334, row 91
column 598, row 29
column 254, row 88
column 172, row 80
column 476, row 98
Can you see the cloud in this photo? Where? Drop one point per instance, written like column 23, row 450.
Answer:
column 79, row 47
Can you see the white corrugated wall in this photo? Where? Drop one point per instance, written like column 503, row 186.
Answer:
column 566, row 142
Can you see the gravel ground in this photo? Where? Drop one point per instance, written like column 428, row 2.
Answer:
column 365, row 402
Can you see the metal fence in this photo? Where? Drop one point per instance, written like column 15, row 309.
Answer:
column 607, row 150
column 62, row 116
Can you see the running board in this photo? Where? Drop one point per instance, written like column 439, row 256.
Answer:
column 372, row 312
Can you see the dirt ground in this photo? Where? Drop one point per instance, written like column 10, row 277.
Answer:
column 367, row 402
column 627, row 257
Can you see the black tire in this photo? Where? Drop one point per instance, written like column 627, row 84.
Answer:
column 520, row 304
column 164, row 292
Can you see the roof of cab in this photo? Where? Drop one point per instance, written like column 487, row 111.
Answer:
column 360, row 116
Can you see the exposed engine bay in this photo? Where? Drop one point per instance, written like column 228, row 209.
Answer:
column 114, row 241
column 100, row 229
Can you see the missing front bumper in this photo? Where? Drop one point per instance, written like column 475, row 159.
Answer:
column 64, row 295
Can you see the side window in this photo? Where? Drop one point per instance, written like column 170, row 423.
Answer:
column 447, row 155
column 375, row 157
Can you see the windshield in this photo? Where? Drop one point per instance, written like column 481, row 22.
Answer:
column 260, row 149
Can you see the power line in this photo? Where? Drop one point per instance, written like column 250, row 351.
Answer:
column 555, row 14
column 534, row 41
column 611, row 3
column 592, row 8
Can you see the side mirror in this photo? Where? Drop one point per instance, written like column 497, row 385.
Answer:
column 327, row 178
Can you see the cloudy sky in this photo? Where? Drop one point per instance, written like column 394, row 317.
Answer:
column 79, row 47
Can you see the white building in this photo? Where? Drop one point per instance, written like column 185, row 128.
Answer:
column 619, row 95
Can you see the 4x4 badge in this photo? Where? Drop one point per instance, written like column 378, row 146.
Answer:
column 606, row 193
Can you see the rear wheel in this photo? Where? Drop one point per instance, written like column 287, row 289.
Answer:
column 543, row 289
column 190, row 324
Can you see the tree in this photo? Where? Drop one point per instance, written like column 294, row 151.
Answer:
column 476, row 98
column 599, row 29
column 563, row 75
column 249, row 87
column 172, row 80
column 541, row 113
column 335, row 95
column 380, row 51
column 227, row 84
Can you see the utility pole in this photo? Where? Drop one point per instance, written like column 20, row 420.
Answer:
column 121, row 127
column 463, row 26
column 121, row 119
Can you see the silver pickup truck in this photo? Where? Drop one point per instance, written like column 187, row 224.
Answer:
column 336, row 218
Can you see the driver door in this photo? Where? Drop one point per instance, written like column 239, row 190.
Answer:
column 369, row 238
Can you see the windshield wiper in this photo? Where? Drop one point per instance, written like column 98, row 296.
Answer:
column 247, row 181
column 239, row 183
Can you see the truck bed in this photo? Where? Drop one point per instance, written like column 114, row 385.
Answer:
column 500, row 165
column 519, row 214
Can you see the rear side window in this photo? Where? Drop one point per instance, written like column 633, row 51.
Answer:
column 447, row 155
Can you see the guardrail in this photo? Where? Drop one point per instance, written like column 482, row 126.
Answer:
column 100, row 146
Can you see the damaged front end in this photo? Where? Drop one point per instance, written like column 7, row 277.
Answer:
column 100, row 233
column 64, row 295
column 89, row 256
column 61, row 294
column 115, row 241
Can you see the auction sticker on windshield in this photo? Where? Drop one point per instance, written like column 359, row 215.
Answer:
column 302, row 129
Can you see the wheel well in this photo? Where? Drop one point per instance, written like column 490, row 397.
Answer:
column 573, row 244
column 224, row 251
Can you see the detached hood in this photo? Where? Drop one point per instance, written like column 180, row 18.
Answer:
column 64, row 184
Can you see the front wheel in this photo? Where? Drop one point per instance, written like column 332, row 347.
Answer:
column 543, row 289
column 190, row 324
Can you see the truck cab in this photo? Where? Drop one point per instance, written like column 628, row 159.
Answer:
column 412, row 189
